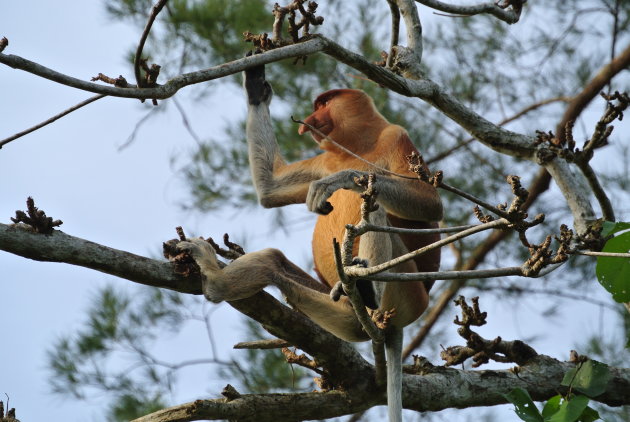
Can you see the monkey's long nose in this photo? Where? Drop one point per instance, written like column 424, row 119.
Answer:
column 303, row 129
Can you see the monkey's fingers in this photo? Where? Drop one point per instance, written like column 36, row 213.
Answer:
column 325, row 209
column 202, row 252
column 256, row 72
column 337, row 291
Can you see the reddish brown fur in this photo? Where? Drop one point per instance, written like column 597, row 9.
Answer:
column 349, row 118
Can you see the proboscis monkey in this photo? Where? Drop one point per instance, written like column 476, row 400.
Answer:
column 326, row 184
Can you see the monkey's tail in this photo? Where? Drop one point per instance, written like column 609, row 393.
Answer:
column 393, row 351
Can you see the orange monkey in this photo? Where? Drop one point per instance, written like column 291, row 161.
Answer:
column 326, row 184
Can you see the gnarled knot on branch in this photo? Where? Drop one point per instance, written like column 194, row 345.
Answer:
column 308, row 18
column 478, row 348
column 564, row 147
column 36, row 218
column 369, row 194
column 516, row 5
column 541, row 255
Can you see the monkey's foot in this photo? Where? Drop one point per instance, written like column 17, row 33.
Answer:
column 203, row 254
column 366, row 291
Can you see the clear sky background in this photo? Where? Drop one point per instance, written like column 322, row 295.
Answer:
column 128, row 199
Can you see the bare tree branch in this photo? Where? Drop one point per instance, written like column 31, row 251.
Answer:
column 173, row 85
column 155, row 10
column 439, row 389
column 19, row 239
column 409, row 12
column 393, row 7
column 510, row 15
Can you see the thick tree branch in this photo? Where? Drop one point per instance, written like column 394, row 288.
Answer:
column 409, row 12
column 494, row 136
column 173, row 85
column 395, row 12
column 435, row 390
column 19, row 239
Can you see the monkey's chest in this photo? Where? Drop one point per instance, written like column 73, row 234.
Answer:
column 346, row 210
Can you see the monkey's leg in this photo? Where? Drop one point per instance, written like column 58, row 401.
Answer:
column 252, row 272
column 376, row 247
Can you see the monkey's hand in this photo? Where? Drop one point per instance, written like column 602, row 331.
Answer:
column 320, row 190
column 258, row 89
column 203, row 254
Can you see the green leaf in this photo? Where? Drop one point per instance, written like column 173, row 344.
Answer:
column 589, row 415
column 609, row 227
column 590, row 378
column 525, row 409
column 570, row 411
column 614, row 273
column 552, row 406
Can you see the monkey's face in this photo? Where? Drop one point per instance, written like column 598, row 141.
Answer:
column 337, row 113
column 320, row 122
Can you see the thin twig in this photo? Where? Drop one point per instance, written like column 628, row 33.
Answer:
column 609, row 254
column 447, row 275
column 143, row 38
column 367, row 272
column 476, row 200
column 275, row 343
column 400, row 230
column 186, row 122
column 539, row 185
column 52, row 119
column 393, row 7
column 139, row 124
column 356, row 300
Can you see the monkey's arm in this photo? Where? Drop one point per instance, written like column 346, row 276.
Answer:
column 407, row 198
column 277, row 183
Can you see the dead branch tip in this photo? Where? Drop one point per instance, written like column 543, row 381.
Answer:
column 479, row 349
column 230, row 393
column 36, row 218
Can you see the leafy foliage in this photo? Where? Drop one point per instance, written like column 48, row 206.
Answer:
column 614, row 273
column 589, row 378
column 557, row 409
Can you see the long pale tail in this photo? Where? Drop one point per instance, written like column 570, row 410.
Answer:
column 393, row 351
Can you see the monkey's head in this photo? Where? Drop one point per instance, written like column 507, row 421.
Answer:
column 341, row 114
